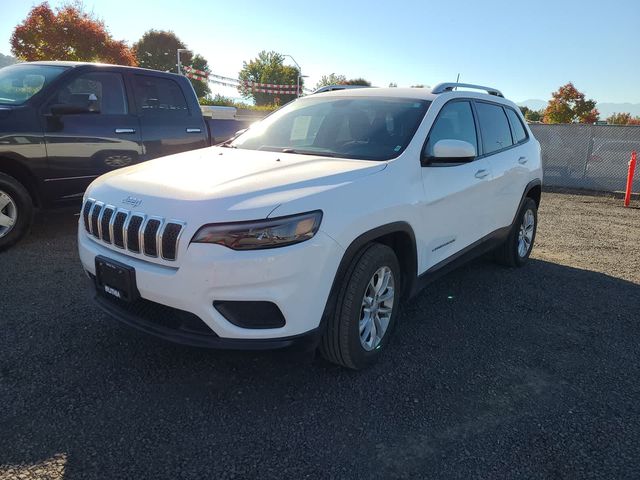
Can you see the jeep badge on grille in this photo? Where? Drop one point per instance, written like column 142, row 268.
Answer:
column 134, row 202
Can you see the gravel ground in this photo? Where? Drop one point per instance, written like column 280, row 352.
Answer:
column 494, row 373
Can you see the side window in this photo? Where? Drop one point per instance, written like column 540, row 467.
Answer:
column 454, row 122
column 494, row 126
column 157, row 96
column 519, row 133
column 105, row 90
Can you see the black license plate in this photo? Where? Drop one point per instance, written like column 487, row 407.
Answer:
column 116, row 279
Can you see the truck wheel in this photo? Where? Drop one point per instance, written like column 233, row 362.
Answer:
column 16, row 211
column 515, row 251
column 366, row 309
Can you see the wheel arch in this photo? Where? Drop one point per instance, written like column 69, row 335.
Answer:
column 400, row 237
column 16, row 169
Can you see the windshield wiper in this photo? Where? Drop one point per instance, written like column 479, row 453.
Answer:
column 308, row 152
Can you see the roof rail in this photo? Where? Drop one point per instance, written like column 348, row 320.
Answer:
column 331, row 88
column 448, row 87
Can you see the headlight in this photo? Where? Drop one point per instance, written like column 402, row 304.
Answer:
column 258, row 234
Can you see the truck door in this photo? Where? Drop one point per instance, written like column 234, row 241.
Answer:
column 169, row 123
column 89, row 129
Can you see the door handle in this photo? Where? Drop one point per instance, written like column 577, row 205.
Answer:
column 193, row 130
column 522, row 160
column 482, row 173
column 125, row 130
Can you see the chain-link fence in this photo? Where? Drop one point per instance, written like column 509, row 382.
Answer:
column 592, row 157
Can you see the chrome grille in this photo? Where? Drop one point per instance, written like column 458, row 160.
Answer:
column 132, row 231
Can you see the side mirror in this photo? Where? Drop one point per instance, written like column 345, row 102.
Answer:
column 452, row 151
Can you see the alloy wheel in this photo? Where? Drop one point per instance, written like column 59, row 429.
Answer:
column 8, row 213
column 376, row 309
column 525, row 235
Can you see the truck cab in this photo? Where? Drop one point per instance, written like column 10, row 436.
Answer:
column 63, row 124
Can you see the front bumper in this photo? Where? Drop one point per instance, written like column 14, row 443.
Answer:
column 297, row 279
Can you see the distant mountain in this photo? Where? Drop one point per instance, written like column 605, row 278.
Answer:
column 7, row 60
column 605, row 109
column 533, row 104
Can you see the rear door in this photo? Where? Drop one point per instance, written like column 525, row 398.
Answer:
column 504, row 140
column 82, row 146
column 169, row 122
column 458, row 195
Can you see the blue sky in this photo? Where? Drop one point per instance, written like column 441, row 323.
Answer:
column 527, row 49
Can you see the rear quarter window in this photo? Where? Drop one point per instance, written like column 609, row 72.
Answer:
column 517, row 129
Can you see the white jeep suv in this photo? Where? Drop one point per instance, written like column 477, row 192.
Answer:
column 313, row 226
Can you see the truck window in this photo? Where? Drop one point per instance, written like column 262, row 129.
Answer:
column 106, row 88
column 18, row 83
column 159, row 97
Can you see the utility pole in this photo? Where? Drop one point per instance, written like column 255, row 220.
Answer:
column 299, row 74
column 179, row 51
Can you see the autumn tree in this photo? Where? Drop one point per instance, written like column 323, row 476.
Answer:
column 568, row 105
column 623, row 119
column 268, row 67
column 158, row 49
column 68, row 33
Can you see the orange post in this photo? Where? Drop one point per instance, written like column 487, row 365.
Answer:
column 632, row 169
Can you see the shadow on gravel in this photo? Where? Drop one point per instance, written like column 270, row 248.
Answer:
column 493, row 372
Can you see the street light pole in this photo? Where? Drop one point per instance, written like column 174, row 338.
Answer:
column 179, row 51
column 299, row 74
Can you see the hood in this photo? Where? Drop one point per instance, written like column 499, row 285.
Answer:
column 237, row 184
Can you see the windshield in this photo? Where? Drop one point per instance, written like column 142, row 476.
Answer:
column 18, row 83
column 367, row 128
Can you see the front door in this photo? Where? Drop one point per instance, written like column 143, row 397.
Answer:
column 89, row 130
column 458, row 194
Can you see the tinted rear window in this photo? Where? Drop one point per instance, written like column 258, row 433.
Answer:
column 159, row 97
column 494, row 126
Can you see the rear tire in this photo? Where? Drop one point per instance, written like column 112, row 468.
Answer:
column 515, row 251
column 16, row 211
column 366, row 309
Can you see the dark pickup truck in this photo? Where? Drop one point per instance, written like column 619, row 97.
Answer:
column 62, row 124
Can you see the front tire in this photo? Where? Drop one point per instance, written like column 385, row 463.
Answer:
column 515, row 251
column 366, row 309
column 16, row 211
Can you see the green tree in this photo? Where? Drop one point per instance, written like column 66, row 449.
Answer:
column 534, row 115
column 420, row 85
column 568, row 105
column 157, row 50
column 68, row 33
column 268, row 67
column 331, row 79
column 358, row 81
column 7, row 60
column 393, row 85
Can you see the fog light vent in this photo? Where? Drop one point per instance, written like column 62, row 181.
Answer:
column 250, row 314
